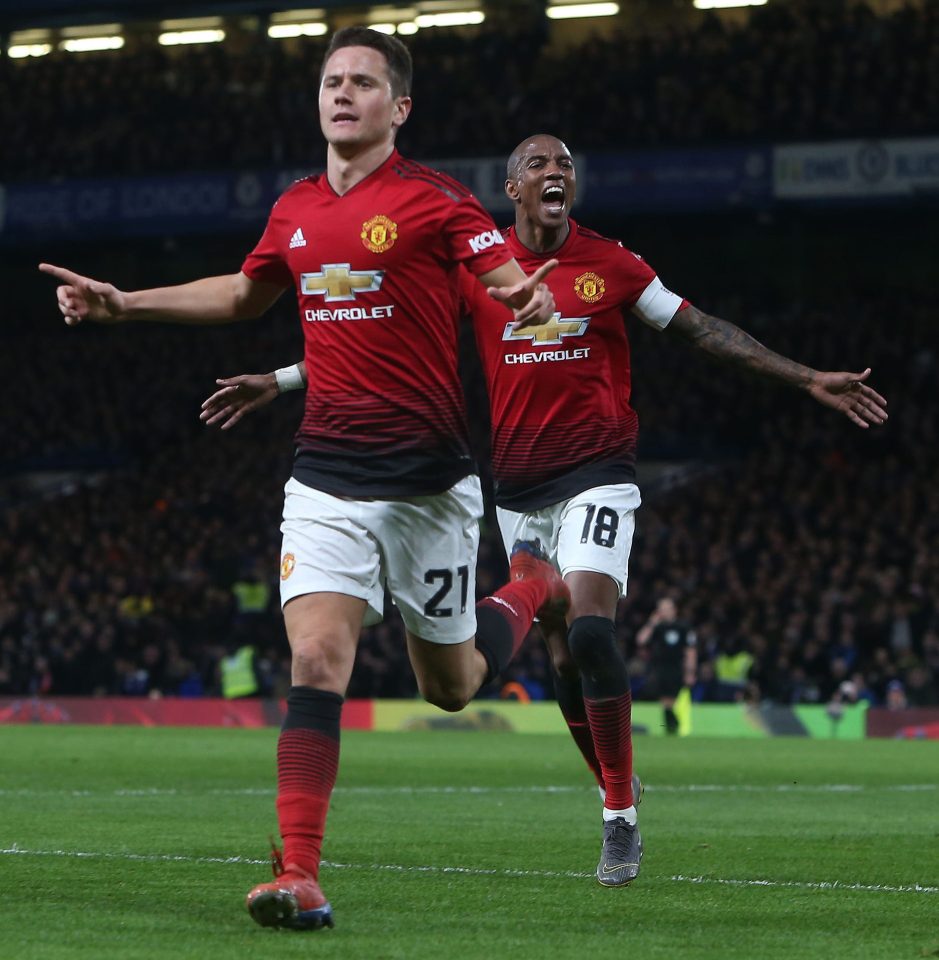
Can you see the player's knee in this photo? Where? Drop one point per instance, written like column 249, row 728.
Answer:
column 592, row 641
column 451, row 697
column 450, row 703
column 312, row 666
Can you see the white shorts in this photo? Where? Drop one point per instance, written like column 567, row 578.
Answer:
column 423, row 548
column 592, row 531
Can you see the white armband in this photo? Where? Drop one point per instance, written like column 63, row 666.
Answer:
column 657, row 305
column 289, row 378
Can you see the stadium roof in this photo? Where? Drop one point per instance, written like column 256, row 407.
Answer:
column 14, row 14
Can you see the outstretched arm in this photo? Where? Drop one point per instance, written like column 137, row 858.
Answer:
column 529, row 297
column 248, row 392
column 842, row 391
column 210, row 300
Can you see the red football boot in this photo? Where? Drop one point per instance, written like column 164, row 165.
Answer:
column 529, row 562
column 293, row 900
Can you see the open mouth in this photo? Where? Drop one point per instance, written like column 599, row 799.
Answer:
column 553, row 197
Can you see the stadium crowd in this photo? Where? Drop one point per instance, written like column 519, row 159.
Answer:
column 802, row 553
column 799, row 70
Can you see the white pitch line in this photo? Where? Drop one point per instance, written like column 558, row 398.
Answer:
column 17, row 850
column 812, row 885
column 148, row 792
column 832, row 885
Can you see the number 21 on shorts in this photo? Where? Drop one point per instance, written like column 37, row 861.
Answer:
column 445, row 578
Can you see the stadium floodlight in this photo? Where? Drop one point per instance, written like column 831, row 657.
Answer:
column 572, row 11
column 281, row 31
column 388, row 20
column 87, row 44
column 306, row 15
column 36, row 42
column 727, row 4
column 91, row 30
column 173, row 38
column 461, row 18
column 297, row 23
column 18, row 51
column 191, row 30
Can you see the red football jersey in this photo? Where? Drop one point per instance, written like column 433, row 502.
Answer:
column 376, row 275
column 559, row 393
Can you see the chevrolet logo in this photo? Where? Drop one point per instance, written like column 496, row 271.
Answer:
column 551, row 332
column 337, row 282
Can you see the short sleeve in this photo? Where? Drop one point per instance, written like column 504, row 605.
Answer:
column 468, row 291
column 472, row 237
column 265, row 263
column 652, row 302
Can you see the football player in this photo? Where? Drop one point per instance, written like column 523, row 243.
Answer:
column 564, row 445
column 384, row 489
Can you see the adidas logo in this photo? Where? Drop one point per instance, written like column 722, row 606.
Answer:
column 297, row 240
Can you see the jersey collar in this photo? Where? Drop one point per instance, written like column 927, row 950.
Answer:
column 550, row 255
column 394, row 157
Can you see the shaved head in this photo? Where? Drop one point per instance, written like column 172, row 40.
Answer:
column 538, row 143
column 542, row 183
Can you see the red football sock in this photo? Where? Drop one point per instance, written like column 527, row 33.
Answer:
column 307, row 762
column 583, row 737
column 504, row 619
column 611, row 726
column 571, row 701
column 517, row 603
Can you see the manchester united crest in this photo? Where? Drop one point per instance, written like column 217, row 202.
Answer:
column 589, row 287
column 287, row 564
column 379, row 234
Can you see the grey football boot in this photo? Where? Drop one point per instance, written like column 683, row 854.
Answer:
column 621, row 852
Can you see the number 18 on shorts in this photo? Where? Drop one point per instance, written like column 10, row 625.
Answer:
column 592, row 531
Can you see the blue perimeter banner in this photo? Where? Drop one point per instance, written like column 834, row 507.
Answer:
column 638, row 181
column 857, row 170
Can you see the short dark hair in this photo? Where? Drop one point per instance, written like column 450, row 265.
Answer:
column 513, row 165
column 396, row 54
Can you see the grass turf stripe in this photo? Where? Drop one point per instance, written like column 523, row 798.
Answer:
column 831, row 885
column 547, row 788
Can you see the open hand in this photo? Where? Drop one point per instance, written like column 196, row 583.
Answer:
column 238, row 396
column 848, row 393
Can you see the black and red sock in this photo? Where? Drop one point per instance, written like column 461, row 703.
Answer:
column 611, row 726
column 608, row 704
column 569, row 691
column 504, row 619
column 307, row 762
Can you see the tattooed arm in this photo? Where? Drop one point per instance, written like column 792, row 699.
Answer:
column 845, row 392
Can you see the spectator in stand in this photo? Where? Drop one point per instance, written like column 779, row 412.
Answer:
column 833, row 544
column 896, row 696
column 793, row 71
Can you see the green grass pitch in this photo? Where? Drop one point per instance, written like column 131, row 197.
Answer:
column 141, row 843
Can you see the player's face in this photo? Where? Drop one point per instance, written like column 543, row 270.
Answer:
column 356, row 104
column 545, row 182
